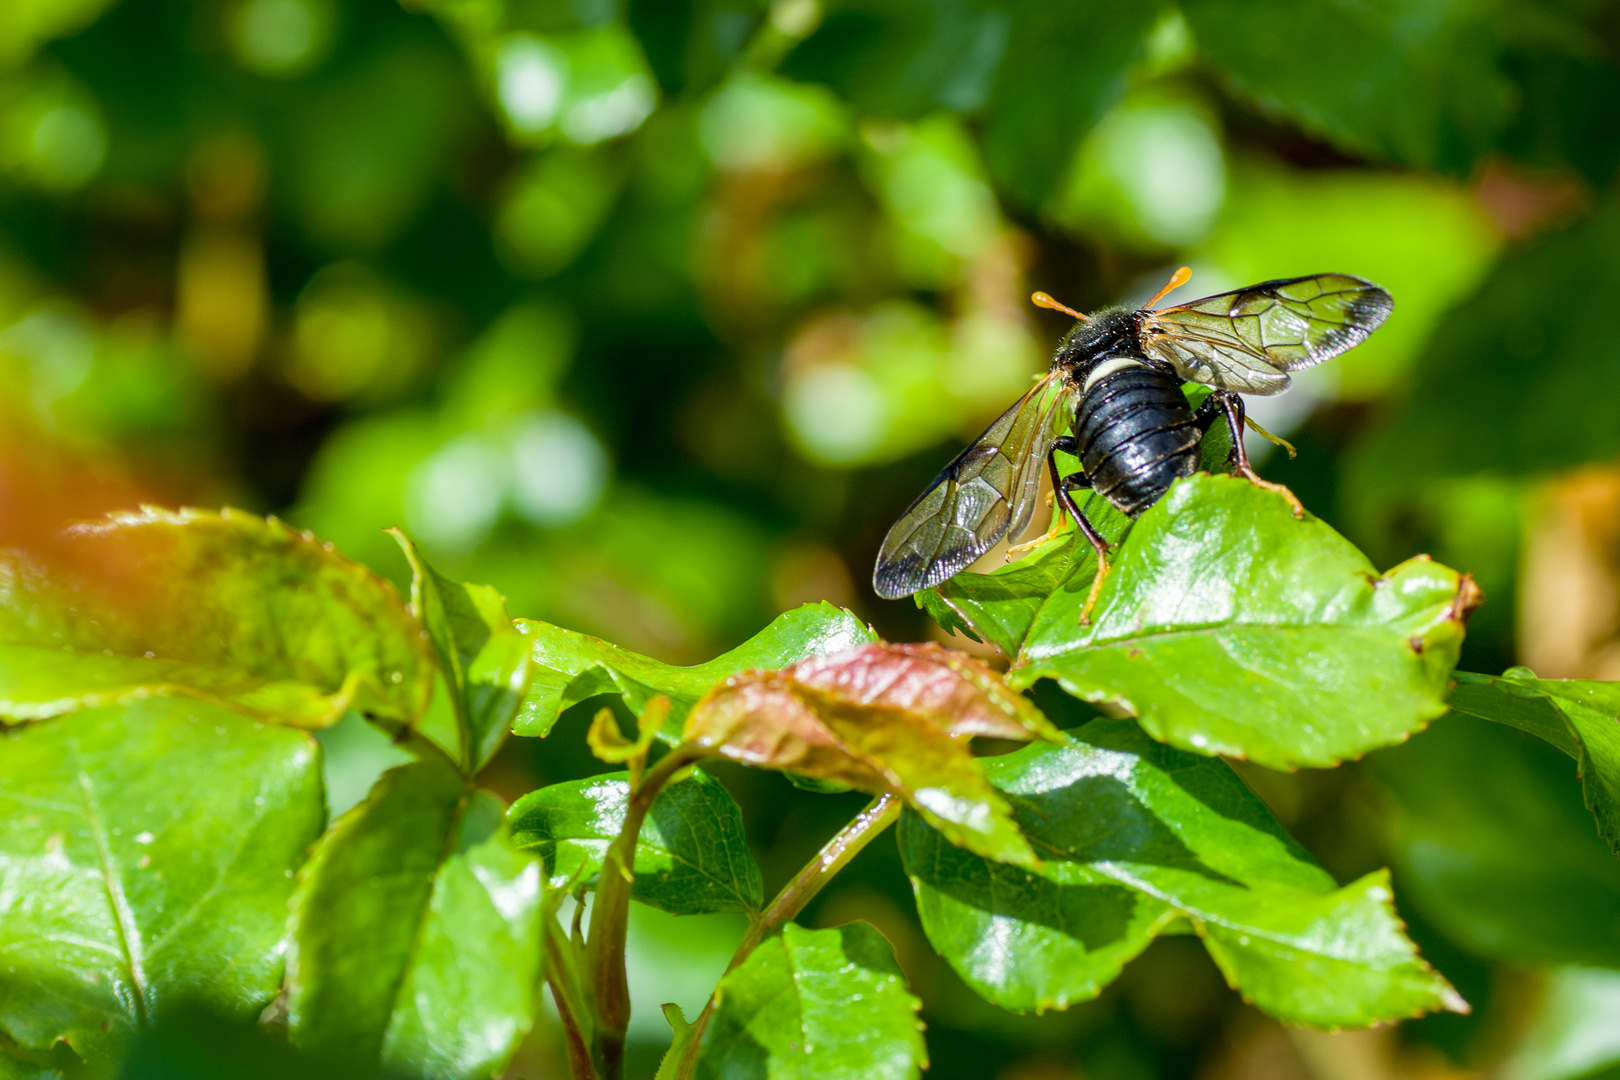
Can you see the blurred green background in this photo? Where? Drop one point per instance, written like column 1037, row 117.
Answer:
column 656, row 313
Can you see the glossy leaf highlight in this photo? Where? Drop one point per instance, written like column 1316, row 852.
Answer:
column 481, row 653
column 1230, row 627
column 1133, row 836
column 225, row 607
column 692, row 856
column 416, row 931
column 570, row 667
column 815, row 1003
column 148, row 854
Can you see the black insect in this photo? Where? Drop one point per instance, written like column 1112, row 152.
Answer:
column 1118, row 376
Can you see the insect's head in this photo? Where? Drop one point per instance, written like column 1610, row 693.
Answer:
column 1109, row 330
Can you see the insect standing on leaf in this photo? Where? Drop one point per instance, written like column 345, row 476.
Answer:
column 1118, row 377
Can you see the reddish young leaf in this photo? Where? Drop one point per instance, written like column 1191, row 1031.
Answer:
column 958, row 693
column 881, row 718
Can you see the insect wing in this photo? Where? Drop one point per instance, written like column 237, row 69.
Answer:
column 988, row 492
column 1250, row 339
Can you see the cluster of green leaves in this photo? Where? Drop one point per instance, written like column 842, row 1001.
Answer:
column 411, row 196
column 164, row 812
column 166, row 842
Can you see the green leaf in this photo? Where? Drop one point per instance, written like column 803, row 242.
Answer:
column 692, row 856
column 1230, row 627
column 1490, row 841
column 815, row 1003
column 1134, row 836
column 480, row 652
column 1389, row 80
column 1002, row 607
column 881, row 718
column 225, row 607
column 571, row 667
column 147, row 859
column 416, row 935
column 1580, row 718
column 16, row 1069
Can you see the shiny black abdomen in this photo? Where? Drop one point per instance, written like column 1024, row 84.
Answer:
column 1136, row 436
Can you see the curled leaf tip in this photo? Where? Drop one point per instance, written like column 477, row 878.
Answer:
column 1469, row 596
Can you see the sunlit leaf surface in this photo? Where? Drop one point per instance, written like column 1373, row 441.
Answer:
column 483, row 657
column 1229, row 626
column 571, row 667
column 416, row 934
column 815, row 1003
column 148, row 854
column 1132, row 836
column 692, row 855
column 226, row 607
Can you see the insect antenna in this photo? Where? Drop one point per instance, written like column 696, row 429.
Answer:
column 1040, row 299
column 1177, row 280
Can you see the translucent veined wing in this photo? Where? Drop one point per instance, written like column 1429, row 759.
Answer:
column 1250, row 339
column 988, row 492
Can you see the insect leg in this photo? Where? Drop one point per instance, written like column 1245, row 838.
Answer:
column 1232, row 405
column 1080, row 481
column 1204, row 416
column 1062, row 444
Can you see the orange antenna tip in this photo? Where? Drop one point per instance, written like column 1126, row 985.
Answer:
column 1040, row 299
column 1177, row 280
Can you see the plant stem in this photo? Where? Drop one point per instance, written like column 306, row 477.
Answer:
column 565, row 991
column 610, row 918
column 834, row 855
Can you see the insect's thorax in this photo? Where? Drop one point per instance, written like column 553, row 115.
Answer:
column 1108, row 341
column 1134, row 429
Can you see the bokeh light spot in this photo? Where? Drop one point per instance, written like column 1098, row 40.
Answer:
column 1153, row 171
column 279, row 38
column 454, row 498
column 531, row 76
column 57, row 344
column 759, row 124
column 618, row 111
column 837, row 412
column 68, row 146
column 559, row 469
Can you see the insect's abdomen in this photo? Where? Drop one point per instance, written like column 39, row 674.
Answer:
column 1136, row 436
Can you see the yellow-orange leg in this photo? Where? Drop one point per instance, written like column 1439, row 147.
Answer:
column 1096, row 588
column 1053, row 533
column 1274, row 440
column 1232, row 406
column 1062, row 486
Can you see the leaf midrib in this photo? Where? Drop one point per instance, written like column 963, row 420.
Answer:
column 1025, row 658
column 128, row 931
column 1112, row 870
